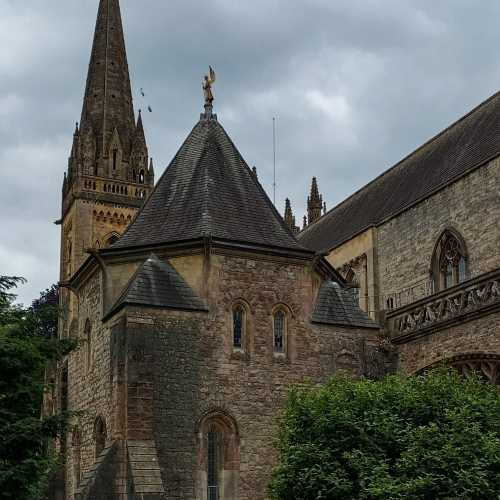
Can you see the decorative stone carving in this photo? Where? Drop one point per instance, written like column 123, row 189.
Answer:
column 440, row 309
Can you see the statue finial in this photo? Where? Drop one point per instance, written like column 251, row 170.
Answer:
column 208, row 81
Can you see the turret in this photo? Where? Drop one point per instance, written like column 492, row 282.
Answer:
column 314, row 203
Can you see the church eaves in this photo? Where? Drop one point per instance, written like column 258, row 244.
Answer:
column 467, row 144
column 208, row 191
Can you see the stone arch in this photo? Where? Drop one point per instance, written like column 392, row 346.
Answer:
column 486, row 365
column 111, row 238
column 218, row 456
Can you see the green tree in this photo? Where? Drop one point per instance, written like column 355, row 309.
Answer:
column 426, row 437
column 28, row 346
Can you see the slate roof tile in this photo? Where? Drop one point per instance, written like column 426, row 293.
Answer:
column 466, row 144
column 157, row 284
column 208, row 191
column 336, row 305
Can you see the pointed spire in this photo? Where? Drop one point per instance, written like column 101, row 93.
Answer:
column 151, row 172
column 139, row 130
column 108, row 96
column 314, row 203
column 304, row 222
column 289, row 217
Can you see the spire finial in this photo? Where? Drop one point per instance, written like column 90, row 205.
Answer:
column 208, row 82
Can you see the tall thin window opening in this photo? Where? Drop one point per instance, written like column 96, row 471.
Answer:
column 88, row 340
column 238, row 326
column 77, row 456
column 219, row 457
column 279, row 331
column 115, row 158
column 213, row 461
column 100, row 435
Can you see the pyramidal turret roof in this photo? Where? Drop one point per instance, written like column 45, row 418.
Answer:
column 108, row 97
column 209, row 191
column 157, row 284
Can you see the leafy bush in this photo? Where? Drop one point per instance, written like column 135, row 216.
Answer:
column 426, row 437
column 28, row 346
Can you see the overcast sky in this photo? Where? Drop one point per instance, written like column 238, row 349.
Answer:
column 355, row 86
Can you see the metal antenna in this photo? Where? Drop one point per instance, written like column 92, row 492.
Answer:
column 274, row 160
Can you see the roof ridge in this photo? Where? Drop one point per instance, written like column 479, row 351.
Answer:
column 393, row 167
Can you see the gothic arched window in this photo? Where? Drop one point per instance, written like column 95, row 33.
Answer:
column 100, row 435
column 279, row 331
column 449, row 267
column 141, row 177
column 239, row 326
column 219, row 457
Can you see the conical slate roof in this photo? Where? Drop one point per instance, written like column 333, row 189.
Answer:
column 208, row 191
column 157, row 284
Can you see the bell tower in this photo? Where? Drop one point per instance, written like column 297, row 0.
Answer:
column 109, row 171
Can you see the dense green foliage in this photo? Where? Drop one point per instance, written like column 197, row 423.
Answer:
column 28, row 346
column 428, row 437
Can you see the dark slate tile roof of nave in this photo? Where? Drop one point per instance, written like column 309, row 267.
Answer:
column 336, row 305
column 468, row 143
column 157, row 284
column 208, row 191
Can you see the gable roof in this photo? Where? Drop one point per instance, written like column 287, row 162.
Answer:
column 208, row 191
column 157, row 284
column 467, row 144
column 336, row 305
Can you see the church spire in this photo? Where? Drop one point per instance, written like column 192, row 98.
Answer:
column 289, row 217
column 108, row 97
column 314, row 203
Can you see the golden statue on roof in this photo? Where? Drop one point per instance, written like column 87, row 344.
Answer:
column 208, row 81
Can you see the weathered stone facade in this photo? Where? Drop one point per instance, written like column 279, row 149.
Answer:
column 155, row 375
column 428, row 269
column 194, row 324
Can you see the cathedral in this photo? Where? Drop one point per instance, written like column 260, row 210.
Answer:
column 197, row 305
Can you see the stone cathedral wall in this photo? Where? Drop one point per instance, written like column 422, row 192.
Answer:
column 406, row 243
column 197, row 372
column 89, row 390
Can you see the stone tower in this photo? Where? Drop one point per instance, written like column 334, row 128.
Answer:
column 314, row 203
column 109, row 173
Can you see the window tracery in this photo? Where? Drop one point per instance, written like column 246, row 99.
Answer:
column 449, row 261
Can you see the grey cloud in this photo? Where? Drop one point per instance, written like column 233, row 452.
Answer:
column 355, row 84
